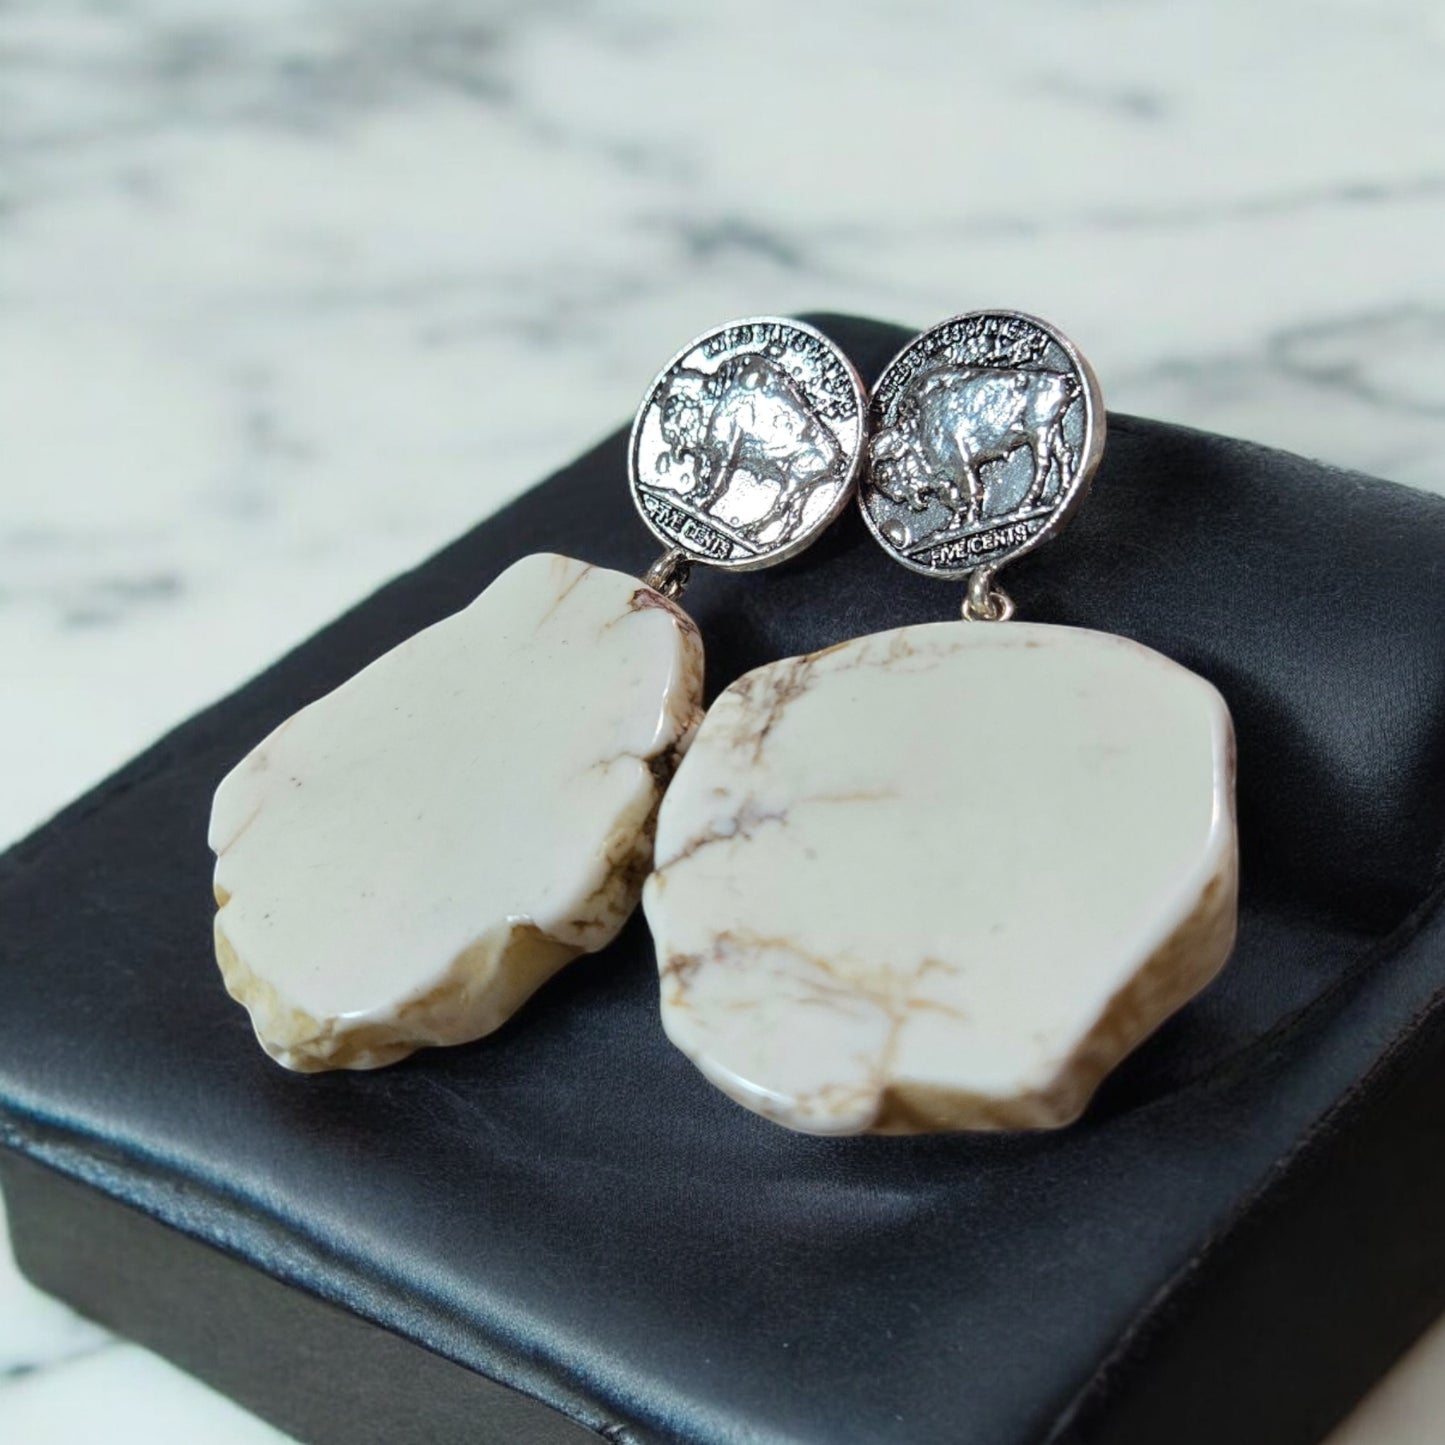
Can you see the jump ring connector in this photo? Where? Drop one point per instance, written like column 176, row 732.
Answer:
column 669, row 573
column 983, row 602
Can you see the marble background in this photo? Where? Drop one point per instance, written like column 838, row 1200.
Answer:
column 292, row 291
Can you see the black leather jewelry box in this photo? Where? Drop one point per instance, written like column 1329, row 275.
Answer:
column 562, row 1232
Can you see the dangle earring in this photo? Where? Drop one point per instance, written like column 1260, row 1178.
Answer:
column 407, row 859
column 946, row 877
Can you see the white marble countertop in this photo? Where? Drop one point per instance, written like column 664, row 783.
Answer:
column 294, row 291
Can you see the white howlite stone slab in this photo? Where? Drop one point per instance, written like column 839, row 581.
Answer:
column 944, row 877
column 407, row 859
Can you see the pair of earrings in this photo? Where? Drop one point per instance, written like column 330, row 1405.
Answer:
column 936, row 878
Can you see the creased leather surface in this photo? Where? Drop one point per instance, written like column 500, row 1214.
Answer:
column 568, row 1207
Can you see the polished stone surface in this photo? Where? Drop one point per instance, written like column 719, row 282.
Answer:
column 407, row 859
column 295, row 290
column 943, row 877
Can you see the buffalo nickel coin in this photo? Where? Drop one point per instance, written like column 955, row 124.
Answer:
column 985, row 432
column 748, row 443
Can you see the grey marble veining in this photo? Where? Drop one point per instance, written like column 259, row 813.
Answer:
column 293, row 291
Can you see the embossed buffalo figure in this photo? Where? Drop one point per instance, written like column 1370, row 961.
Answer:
column 748, row 416
column 953, row 419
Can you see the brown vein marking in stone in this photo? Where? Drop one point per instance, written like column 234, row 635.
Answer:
column 833, row 648
column 745, row 820
column 786, row 682
column 634, row 834
column 834, row 1104
column 479, row 990
column 898, row 1003
column 648, row 599
column 628, row 869
column 840, row 979
column 626, row 862
column 856, row 795
column 256, row 810
column 584, row 568
column 900, row 646
column 770, row 690
column 924, row 644
column 486, row 983
column 664, row 763
column 749, row 816
column 877, row 1105
column 1172, row 975
column 482, row 987
column 1167, row 980
column 627, row 855
column 676, row 971
column 736, row 948
column 684, row 702
column 884, row 1086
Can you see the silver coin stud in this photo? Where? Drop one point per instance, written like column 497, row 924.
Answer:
column 985, row 433
column 748, row 444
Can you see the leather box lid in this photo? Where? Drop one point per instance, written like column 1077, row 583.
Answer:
column 1236, row 1237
